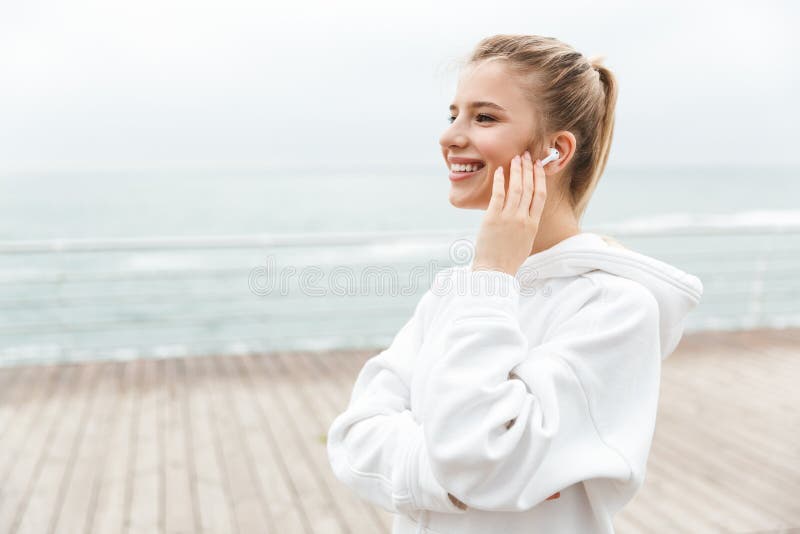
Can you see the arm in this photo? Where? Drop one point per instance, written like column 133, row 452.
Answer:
column 376, row 447
column 508, row 425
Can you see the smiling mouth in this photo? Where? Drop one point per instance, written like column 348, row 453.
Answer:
column 466, row 167
column 456, row 175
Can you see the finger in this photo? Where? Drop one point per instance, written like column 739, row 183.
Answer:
column 498, row 191
column 539, row 191
column 514, row 184
column 527, row 185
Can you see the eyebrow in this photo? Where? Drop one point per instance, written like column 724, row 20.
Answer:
column 480, row 105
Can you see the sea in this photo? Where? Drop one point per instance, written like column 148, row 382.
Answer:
column 136, row 263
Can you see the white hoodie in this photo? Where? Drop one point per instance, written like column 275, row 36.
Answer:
column 531, row 399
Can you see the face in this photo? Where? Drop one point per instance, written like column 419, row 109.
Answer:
column 491, row 133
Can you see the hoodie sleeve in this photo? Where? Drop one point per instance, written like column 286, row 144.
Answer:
column 376, row 446
column 508, row 424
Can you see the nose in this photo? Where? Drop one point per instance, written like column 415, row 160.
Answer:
column 453, row 136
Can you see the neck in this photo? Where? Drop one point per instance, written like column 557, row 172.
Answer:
column 554, row 227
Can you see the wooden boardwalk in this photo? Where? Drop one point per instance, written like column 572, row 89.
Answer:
column 237, row 444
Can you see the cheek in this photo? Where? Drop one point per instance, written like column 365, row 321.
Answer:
column 497, row 150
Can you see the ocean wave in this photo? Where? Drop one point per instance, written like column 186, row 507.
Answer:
column 672, row 221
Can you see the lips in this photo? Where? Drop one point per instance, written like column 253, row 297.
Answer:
column 466, row 167
column 461, row 175
column 462, row 168
column 461, row 164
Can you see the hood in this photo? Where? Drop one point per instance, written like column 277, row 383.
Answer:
column 677, row 292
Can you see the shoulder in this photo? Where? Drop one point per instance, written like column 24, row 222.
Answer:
column 621, row 291
column 598, row 300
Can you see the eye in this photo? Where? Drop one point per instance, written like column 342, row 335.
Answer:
column 450, row 119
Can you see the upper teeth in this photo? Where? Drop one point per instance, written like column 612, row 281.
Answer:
column 461, row 167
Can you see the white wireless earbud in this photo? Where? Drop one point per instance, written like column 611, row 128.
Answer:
column 554, row 155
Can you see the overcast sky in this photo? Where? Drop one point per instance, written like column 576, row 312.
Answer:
column 237, row 83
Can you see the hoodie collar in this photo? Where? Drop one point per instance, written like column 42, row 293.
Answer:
column 677, row 292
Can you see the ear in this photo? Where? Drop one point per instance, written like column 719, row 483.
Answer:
column 564, row 141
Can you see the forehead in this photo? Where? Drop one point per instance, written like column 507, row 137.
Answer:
column 490, row 81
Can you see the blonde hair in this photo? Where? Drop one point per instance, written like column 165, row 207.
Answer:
column 570, row 92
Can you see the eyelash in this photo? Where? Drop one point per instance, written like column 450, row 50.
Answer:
column 450, row 119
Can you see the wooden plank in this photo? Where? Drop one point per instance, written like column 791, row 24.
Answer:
column 111, row 501
column 212, row 495
column 742, row 434
column 273, row 474
column 18, row 384
column 714, row 463
column 325, row 400
column 254, row 446
column 38, row 430
column 53, row 470
column 180, row 512
column 694, row 498
column 745, row 367
column 628, row 524
column 8, row 376
column 313, row 429
column 308, row 497
column 700, row 495
column 24, row 403
column 76, row 506
column 249, row 507
column 235, row 444
column 338, row 386
column 145, row 497
column 657, row 512
column 705, row 396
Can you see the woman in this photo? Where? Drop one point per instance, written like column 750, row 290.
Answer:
column 521, row 396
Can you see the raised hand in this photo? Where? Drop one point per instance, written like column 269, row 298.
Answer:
column 509, row 227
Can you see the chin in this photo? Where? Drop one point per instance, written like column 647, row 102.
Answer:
column 466, row 203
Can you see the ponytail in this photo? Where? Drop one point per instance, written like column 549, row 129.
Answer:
column 605, row 131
